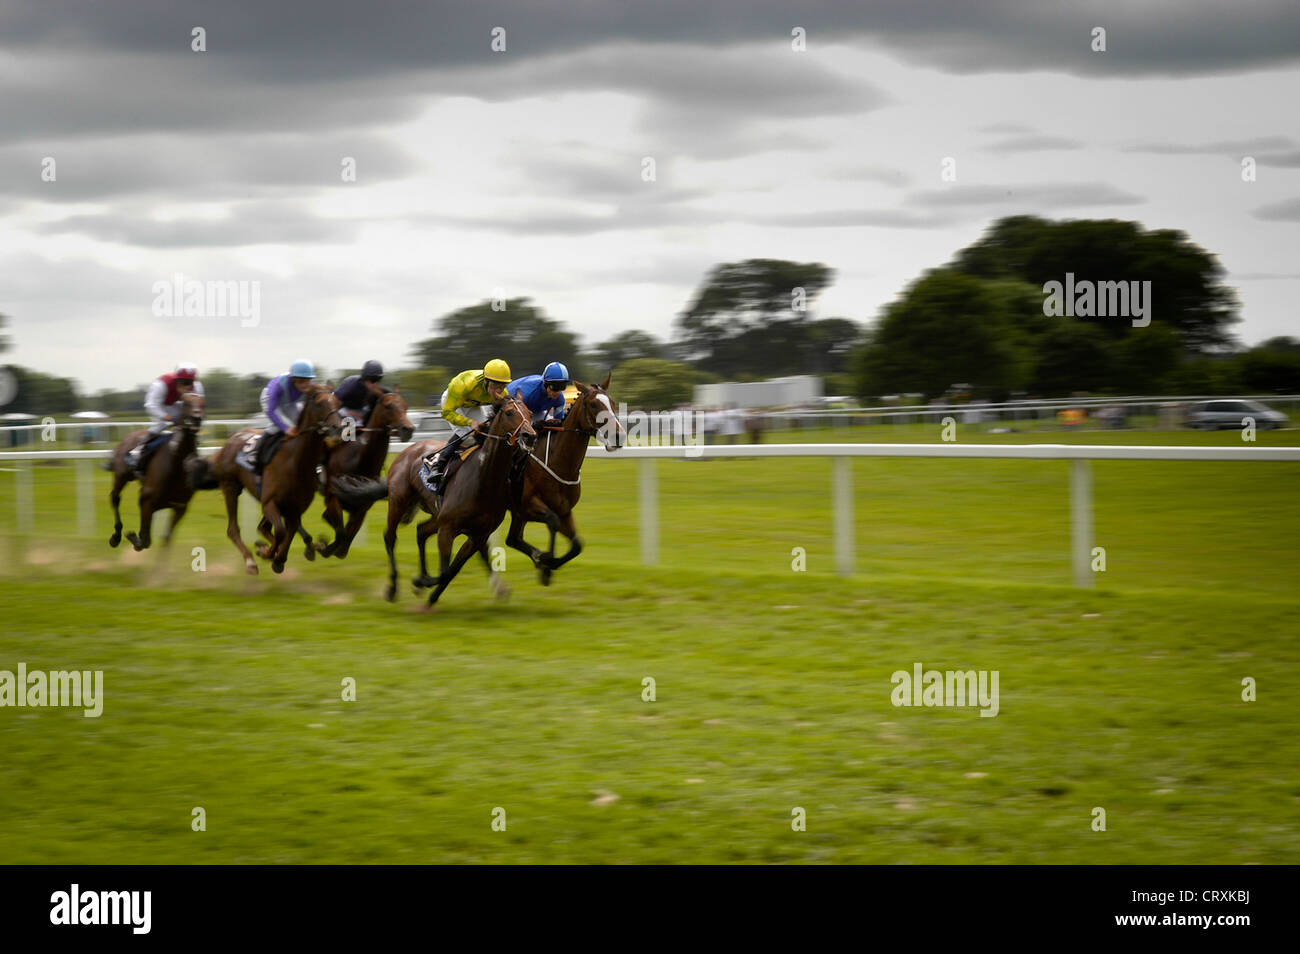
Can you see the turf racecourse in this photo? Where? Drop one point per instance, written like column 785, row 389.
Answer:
column 772, row 685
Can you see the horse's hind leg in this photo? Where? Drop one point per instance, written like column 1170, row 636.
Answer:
column 422, row 534
column 395, row 510
column 231, row 492
column 115, row 498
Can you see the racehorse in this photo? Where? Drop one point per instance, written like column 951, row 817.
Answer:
column 288, row 480
column 551, row 482
column 167, row 483
column 361, row 458
column 474, row 500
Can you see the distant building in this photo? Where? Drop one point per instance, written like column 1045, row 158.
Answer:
column 777, row 392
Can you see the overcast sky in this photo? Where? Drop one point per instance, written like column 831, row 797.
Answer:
column 521, row 172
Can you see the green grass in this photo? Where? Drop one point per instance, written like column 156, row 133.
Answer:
column 773, row 686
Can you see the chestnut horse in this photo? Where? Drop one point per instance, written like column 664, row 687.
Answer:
column 361, row 458
column 552, row 480
column 167, row 484
column 474, row 500
column 288, row 480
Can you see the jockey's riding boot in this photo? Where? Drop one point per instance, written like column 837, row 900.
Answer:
column 441, row 459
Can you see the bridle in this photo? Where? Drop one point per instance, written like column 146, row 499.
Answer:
column 587, row 432
column 394, row 429
column 513, row 437
column 324, row 428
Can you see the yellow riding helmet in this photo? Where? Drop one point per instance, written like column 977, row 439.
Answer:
column 497, row 370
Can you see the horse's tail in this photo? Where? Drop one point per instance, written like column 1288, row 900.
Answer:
column 354, row 492
column 198, row 472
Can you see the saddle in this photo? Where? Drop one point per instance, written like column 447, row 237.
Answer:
column 453, row 465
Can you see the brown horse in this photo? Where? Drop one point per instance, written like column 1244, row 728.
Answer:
column 288, row 481
column 167, row 484
column 474, row 501
column 552, row 480
column 361, row 458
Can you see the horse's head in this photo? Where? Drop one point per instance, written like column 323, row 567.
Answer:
column 390, row 415
column 320, row 413
column 593, row 413
column 192, row 412
column 512, row 421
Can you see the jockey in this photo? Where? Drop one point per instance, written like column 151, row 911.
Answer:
column 462, row 407
column 359, row 393
column 282, row 403
column 164, row 405
column 543, row 394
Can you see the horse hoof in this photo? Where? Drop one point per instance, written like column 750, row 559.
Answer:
column 390, row 594
column 422, row 582
column 250, row 568
column 544, row 577
column 309, row 553
column 278, row 566
column 503, row 594
column 115, row 539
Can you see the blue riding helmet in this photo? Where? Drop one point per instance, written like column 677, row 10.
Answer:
column 302, row 368
column 372, row 370
column 555, row 372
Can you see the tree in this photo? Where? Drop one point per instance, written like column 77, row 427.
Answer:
column 1187, row 289
column 624, row 347
column 472, row 336
column 946, row 328
column 421, row 386
column 750, row 317
column 4, row 339
column 1273, row 366
column 653, row 384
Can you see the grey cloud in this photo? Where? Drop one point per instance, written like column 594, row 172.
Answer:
column 1231, row 147
column 1034, row 144
column 1288, row 211
column 190, row 169
column 258, row 223
column 306, row 42
column 1049, row 196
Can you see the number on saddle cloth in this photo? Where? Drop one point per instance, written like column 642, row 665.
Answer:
column 247, row 455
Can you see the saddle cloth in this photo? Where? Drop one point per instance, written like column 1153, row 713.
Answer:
column 246, row 456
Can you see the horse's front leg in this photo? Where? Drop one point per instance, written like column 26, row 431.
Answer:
column 515, row 537
column 333, row 515
column 567, row 527
column 115, row 498
column 141, row 542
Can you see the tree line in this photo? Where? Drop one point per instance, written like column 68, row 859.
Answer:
column 979, row 320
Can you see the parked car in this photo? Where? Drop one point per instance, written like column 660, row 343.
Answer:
column 1212, row 415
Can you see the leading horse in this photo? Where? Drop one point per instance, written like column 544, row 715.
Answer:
column 474, row 502
column 552, row 481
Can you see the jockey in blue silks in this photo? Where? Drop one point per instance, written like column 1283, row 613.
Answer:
column 543, row 394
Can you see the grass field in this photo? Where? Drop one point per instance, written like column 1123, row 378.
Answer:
column 772, row 686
